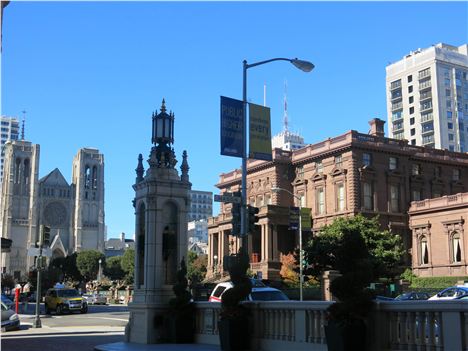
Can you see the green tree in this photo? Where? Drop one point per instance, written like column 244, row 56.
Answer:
column 385, row 249
column 68, row 268
column 196, row 267
column 128, row 265
column 88, row 263
column 114, row 269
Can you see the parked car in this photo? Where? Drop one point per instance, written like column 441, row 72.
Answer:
column 260, row 292
column 65, row 300
column 412, row 295
column 450, row 293
column 10, row 319
column 462, row 297
column 95, row 299
column 8, row 302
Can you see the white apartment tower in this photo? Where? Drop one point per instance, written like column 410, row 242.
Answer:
column 427, row 97
column 9, row 131
column 201, row 205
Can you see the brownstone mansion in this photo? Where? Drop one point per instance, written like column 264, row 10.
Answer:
column 343, row 176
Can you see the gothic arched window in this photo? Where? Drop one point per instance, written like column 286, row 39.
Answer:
column 94, row 177
column 27, row 171
column 87, row 174
column 17, row 170
column 456, row 247
column 424, row 250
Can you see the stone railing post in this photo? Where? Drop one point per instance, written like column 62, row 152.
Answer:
column 451, row 326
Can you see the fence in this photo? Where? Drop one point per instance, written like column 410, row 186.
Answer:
column 294, row 325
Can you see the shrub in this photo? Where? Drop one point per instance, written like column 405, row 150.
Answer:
column 435, row 282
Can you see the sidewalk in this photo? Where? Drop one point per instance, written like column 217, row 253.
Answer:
column 124, row 346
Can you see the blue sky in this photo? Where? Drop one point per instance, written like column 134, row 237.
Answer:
column 91, row 73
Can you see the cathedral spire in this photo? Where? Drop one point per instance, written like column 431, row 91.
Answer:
column 140, row 170
column 184, row 168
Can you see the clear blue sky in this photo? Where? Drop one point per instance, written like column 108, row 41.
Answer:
column 91, row 73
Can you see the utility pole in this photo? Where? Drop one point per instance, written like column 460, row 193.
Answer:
column 44, row 238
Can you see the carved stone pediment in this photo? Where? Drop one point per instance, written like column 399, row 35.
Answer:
column 317, row 177
column 394, row 173
column 338, row 171
column 299, row 181
column 417, row 179
column 437, row 181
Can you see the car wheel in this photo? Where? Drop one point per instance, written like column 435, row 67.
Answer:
column 59, row 310
column 47, row 309
column 84, row 309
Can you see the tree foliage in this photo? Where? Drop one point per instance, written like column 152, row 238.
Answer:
column 128, row 265
column 196, row 267
column 67, row 267
column 114, row 270
column 385, row 249
column 88, row 263
column 288, row 270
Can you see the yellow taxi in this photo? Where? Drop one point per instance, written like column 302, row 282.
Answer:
column 63, row 300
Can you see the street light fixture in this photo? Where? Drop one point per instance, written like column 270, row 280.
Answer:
column 301, row 258
column 305, row 66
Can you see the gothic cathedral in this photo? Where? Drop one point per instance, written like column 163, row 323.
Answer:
column 74, row 212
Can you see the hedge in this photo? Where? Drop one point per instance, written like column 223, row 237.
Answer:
column 436, row 282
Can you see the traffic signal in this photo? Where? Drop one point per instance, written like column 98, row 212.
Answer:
column 44, row 236
column 236, row 219
column 252, row 218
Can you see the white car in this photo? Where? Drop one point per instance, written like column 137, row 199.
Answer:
column 451, row 293
column 260, row 292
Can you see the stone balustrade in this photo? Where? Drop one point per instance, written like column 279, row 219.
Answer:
column 294, row 325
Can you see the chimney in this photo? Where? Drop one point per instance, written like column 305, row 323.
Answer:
column 377, row 127
column 122, row 237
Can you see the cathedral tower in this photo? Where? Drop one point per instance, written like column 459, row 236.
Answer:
column 18, row 215
column 88, row 182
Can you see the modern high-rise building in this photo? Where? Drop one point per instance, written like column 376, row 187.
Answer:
column 427, row 97
column 9, row 131
column 201, row 205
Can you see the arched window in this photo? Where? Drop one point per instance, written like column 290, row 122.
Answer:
column 27, row 171
column 456, row 247
column 94, row 177
column 424, row 250
column 141, row 244
column 17, row 170
column 87, row 177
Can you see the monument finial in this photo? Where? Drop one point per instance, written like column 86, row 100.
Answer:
column 184, row 168
column 163, row 106
column 140, row 170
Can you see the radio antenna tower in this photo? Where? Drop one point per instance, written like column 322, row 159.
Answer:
column 285, row 100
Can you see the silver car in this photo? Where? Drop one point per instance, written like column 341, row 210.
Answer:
column 10, row 319
column 95, row 299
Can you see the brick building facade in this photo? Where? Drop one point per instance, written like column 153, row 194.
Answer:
column 342, row 176
column 439, row 239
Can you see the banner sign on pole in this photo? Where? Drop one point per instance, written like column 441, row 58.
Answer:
column 259, row 133
column 293, row 218
column 232, row 127
column 306, row 219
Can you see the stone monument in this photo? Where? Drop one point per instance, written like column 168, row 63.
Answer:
column 161, row 207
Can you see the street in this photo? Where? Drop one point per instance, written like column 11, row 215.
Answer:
column 70, row 332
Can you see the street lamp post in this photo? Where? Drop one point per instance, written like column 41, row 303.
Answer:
column 301, row 258
column 99, row 272
column 305, row 66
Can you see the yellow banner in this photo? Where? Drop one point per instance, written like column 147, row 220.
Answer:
column 259, row 133
column 306, row 219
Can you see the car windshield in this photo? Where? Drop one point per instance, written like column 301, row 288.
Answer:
column 68, row 293
column 268, row 296
column 403, row 296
